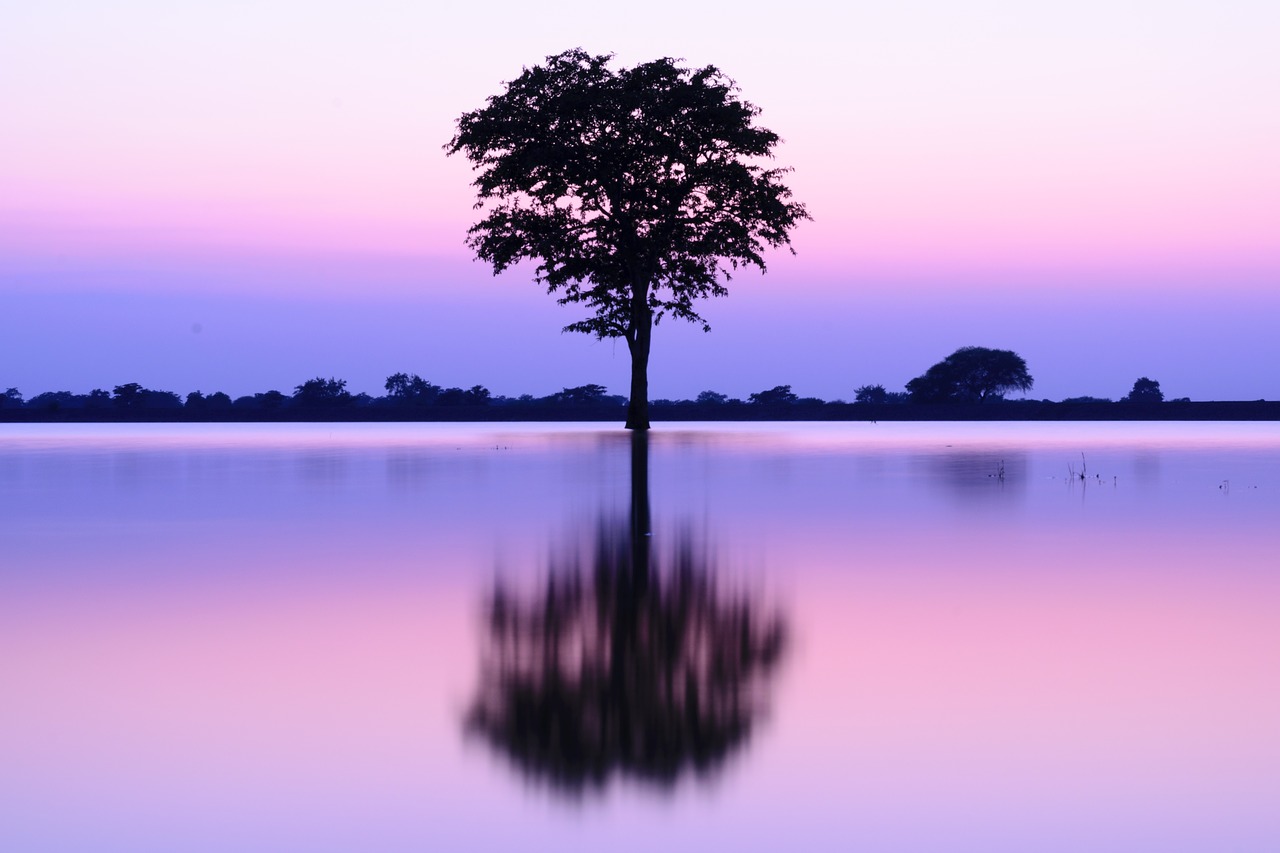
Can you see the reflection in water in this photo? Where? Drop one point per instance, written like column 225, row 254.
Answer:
column 971, row 475
column 628, row 662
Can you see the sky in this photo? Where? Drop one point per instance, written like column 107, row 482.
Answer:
column 244, row 195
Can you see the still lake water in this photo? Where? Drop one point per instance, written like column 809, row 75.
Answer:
column 281, row 637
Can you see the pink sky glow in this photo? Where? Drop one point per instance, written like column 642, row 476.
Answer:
column 290, row 153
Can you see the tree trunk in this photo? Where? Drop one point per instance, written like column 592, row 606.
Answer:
column 638, row 342
column 641, row 532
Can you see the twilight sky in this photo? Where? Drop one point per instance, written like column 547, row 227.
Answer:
column 243, row 195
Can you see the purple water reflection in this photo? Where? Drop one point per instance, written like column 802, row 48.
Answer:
column 267, row 638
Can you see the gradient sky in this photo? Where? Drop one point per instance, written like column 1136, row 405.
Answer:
column 240, row 196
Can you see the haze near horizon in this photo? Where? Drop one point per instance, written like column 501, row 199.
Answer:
column 241, row 198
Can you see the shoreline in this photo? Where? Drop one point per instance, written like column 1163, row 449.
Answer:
column 1227, row 410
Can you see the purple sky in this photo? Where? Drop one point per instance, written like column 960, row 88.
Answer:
column 243, row 198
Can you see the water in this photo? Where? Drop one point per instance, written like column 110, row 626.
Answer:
column 962, row 636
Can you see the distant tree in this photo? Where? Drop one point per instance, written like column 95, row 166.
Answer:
column 128, row 396
column 411, row 388
column 219, row 400
column 581, row 394
column 871, row 394
column 195, row 400
column 451, row 397
column 711, row 398
column 476, row 395
column 322, row 392
column 134, row 396
column 12, row 399
column 777, row 396
column 271, row 399
column 264, row 401
column 162, row 400
column 1086, row 399
column 971, row 375
column 1145, row 391
column 53, row 401
column 636, row 192
column 98, row 398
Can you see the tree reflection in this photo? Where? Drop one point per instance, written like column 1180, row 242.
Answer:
column 629, row 661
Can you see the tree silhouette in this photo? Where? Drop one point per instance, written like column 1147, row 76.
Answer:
column 134, row 396
column 871, row 394
column 320, row 392
column 635, row 191
column 779, row 395
column 1145, row 391
column 411, row 389
column 971, row 375
column 627, row 662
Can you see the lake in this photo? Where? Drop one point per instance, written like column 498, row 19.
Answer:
column 906, row 636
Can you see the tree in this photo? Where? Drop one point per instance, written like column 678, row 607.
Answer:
column 635, row 191
column 411, row 388
column 129, row 396
column 267, row 400
column 322, row 392
column 712, row 398
column 476, row 395
column 1145, row 391
column 971, row 375
column 871, row 394
column 134, row 396
column 779, row 395
column 629, row 661
column 582, row 394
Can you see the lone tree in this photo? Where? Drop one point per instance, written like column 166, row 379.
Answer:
column 971, row 375
column 1145, row 391
column 636, row 191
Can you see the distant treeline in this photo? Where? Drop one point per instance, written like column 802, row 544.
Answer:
column 411, row 398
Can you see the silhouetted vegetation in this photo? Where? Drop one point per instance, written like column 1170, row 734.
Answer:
column 874, row 394
column 409, row 397
column 635, row 191
column 322, row 393
column 628, row 662
column 1145, row 391
column 971, row 375
column 779, row 395
column 215, row 402
column 134, row 396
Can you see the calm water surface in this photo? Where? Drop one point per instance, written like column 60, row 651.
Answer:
column 835, row 637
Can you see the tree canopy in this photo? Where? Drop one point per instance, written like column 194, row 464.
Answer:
column 1145, row 391
column 971, row 374
column 322, row 392
column 779, row 395
column 635, row 191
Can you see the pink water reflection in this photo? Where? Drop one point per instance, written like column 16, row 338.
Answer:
column 271, row 645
